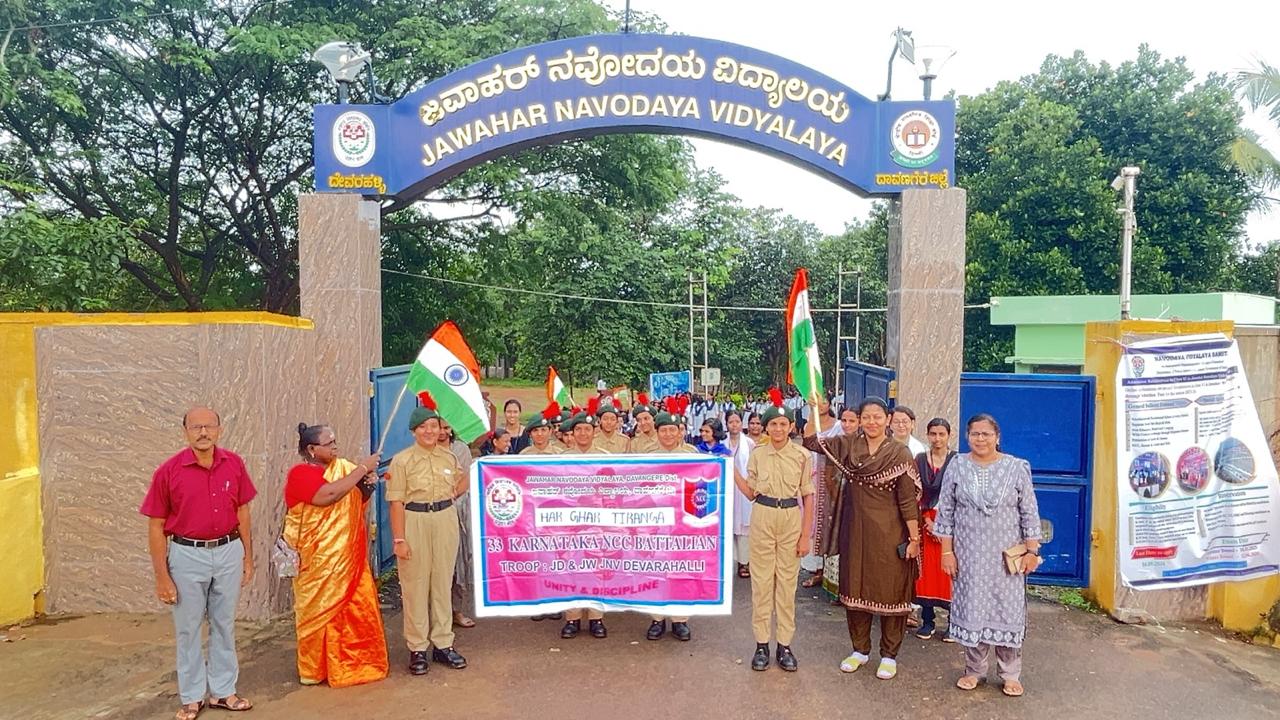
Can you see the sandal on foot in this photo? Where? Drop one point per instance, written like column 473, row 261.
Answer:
column 815, row 580
column 234, row 703
column 189, row 711
column 968, row 682
column 853, row 662
column 744, row 571
column 1012, row 688
column 463, row 621
column 888, row 669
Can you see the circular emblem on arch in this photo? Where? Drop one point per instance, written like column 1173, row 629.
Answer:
column 457, row 375
column 915, row 138
column 354, row 139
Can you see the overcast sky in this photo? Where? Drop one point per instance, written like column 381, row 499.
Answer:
column 851, row 40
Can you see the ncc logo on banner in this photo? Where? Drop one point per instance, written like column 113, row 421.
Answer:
column 700, row 507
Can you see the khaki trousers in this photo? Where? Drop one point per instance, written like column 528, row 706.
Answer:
column 426, row 578
column 774, row 534
column 577, row 613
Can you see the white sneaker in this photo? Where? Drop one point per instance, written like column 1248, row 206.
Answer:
column 853, row 662
column 888, row 669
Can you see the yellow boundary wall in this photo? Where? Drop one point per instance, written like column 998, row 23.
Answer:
column 21, row 523
column 1237, row 605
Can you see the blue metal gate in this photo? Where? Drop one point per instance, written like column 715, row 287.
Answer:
column 1046, row 419
column 386, row 386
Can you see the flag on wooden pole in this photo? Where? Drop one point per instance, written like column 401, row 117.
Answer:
column 447, row 369
column 803, row 368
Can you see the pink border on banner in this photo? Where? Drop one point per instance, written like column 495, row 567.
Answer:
column 637, row 532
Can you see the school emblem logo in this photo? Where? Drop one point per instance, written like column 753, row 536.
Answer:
column 354, row 139
column 503, row 502
column 1139, row 365
column 915, row 138
column 700, row 502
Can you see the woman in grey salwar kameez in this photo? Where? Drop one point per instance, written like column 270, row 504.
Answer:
column 988, row 504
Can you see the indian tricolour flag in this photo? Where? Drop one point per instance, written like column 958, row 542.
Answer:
column 556, row 391
column 803, row 368
column 448, row 370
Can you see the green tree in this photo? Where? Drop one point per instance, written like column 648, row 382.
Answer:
column 1037, row 157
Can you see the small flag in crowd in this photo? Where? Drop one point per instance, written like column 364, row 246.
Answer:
column 556, row 391
column 803, row 368
column 447, row 369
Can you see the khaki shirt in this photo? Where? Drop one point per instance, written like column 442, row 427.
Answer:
column 642, row 443
column 679, row 449
column 784, row 473
column 573, row 450
column 422, row 475
column 553, row 448
column 615, row 443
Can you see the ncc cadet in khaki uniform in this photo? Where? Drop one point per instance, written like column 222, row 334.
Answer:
column 540, row 429
column 779, row 482
column 670, row 442
column 646, row 435
column 581, row 431
column 609, row 437
column 424, row 480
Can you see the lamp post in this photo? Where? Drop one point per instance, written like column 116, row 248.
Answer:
column 345, row 61
column 906, row 47
column 933, row 57
column 1127, row 181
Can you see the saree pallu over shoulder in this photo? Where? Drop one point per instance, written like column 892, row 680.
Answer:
column 339, row 624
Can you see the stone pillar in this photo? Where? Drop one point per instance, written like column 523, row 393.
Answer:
column 924, row 335
column 339, row 274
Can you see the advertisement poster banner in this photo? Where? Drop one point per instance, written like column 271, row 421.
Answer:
column 649, row 533
column 665, row 384
column 1199, row 499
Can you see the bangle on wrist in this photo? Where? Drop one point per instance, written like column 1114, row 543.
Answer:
column 947, row 552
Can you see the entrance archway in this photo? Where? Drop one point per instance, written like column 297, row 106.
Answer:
column 391, row 155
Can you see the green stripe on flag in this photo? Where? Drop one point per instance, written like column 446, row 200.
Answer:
column 450, row 405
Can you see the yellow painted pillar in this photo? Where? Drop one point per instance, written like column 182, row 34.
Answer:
column 21, row 528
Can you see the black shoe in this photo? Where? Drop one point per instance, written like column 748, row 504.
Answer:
column 539, row 618
column 449, row 657
column 760, row 661
column 418, row 664
column 786, row 660
column 681, row 631
column 597, row 629
column 571, row 629
column 657, row 629
column 556, row 616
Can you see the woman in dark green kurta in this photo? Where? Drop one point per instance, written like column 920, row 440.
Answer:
column 879, row 513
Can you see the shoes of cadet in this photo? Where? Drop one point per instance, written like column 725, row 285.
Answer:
column 787, row 660
column 450, row 657
column 760, row 661
column 657, row 629
column 418, row 664
column 681, row 631
column 571, row 629
column 597, row 629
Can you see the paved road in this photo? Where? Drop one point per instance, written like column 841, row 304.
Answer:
column 1077, row 666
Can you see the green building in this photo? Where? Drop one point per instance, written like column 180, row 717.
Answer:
column 1049, row 330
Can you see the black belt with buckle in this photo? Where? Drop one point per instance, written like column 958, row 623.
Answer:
column 775, row 502
column 428, row 507
column 216, row 542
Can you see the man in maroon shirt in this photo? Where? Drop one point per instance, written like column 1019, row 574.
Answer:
column 199, row 540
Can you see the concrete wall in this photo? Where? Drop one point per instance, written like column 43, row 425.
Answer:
column 1237, row 605
column 110, row 403
column 20, row 519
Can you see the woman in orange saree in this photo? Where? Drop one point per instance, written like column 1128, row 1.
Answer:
column 339, row 626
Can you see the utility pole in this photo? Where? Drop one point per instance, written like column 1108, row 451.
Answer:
column 1127, row 181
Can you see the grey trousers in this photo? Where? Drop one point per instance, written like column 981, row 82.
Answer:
column 1008, row 661
column 208, row 582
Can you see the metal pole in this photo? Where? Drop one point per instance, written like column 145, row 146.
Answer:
column 839, row 366
column 857, row 321
column 1129, row 177
column 626, row 18
column 691, row 326
column 706, row 323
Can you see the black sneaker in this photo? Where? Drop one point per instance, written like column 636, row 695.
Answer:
column 925, row 632
column 657, row 629
column 760, row 661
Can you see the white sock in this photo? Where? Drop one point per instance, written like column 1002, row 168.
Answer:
column 859, row 656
